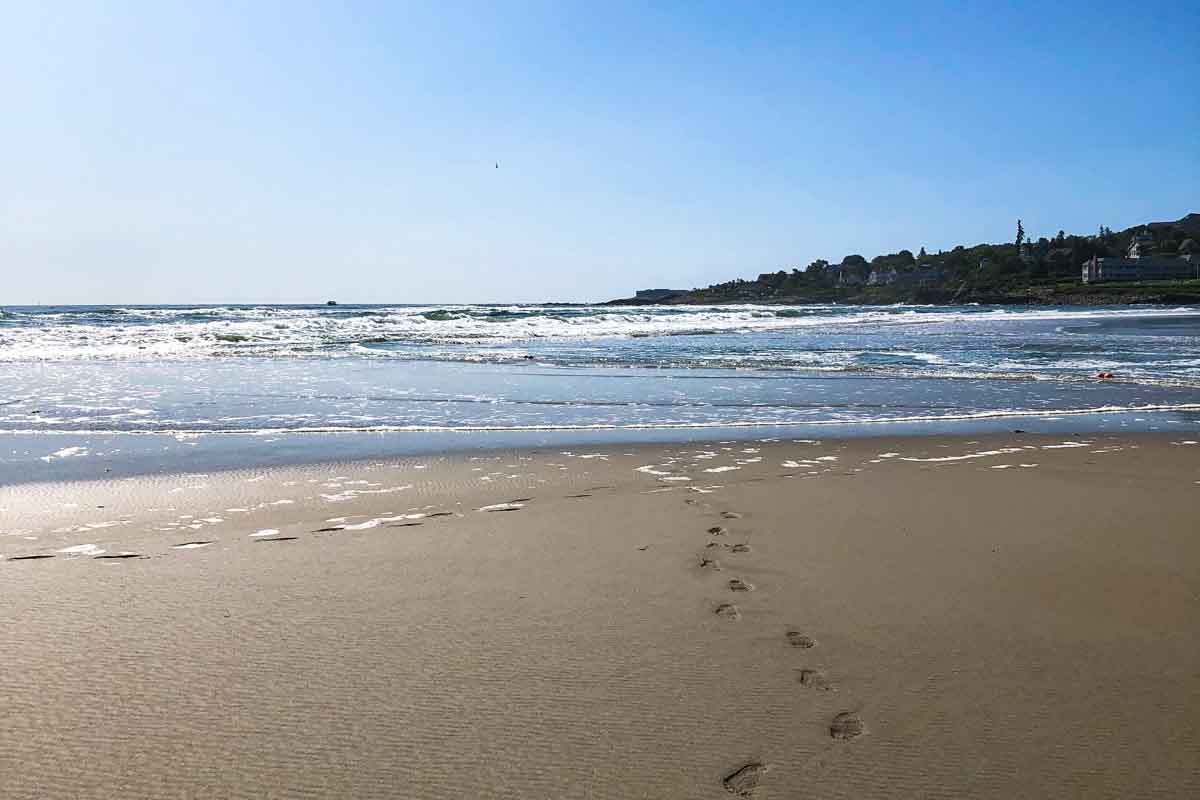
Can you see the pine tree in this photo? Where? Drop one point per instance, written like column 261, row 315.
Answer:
column 1020, row 233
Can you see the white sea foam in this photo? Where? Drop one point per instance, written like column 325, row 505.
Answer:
column 184, row 333
column 501, row 507
column 83, row 550
column 699, row 425
column 66, row 452
column 966, row 456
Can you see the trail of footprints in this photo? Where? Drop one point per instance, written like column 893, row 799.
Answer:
column 846, row 725
column 742, row 781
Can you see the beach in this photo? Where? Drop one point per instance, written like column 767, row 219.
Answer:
column 549, row 401
column 1002, row 615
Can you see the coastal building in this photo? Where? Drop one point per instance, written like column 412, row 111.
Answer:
column 1098, row 270
column 929, row 274
column 847, row 276
column 1142, row 245
column 1140, row 264
column 884, row 276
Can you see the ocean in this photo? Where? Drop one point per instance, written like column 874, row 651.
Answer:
column 93, row 391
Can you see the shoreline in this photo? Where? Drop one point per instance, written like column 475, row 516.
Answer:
column 41, row 456
column 628, row 621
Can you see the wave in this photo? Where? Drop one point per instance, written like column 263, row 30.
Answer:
column 698, row 425
column 182, row 333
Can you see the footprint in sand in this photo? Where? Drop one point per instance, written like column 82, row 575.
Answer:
column 745, row 779
column 35, row 557
column 716, row 530
column 577, row 496
column 710, row 563
column 727, row 611
column 846, row 725
column 119, row 556
column 330, row 529
column 814, row 679
column 739, row 585
column 730, row 515
column 190, row 545
column 277, row 539
column 798, row 639
column 740, row 548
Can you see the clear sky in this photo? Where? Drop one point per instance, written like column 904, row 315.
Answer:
column 296, row 152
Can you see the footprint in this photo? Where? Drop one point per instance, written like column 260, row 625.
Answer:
column 577, row 496
column 798, row 639
column 277, row 539
column 730, row 515
column 190, row 545
column 330, row 529
column 846, row 725
column 119, row 556
column 739, row 585
column 716, row 530
column 710, row 563
column 814, row 679
column 35, row 557
column 740, row 548
column 439, row 514
column 744, row 780
column 727, row 611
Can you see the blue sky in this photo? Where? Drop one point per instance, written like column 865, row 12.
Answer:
column 295, row 152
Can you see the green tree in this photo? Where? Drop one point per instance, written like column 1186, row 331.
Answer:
column 1020, row 233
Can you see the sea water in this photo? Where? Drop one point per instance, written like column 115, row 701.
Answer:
column 129, row 389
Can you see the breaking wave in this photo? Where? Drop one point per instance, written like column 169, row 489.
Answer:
column 182, row 333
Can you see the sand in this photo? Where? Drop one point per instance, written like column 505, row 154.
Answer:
column 1012, row 616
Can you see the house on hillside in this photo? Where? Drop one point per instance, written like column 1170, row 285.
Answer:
column 844, row 276
column 883, row 276
column 1140, row 264
column 929, row 274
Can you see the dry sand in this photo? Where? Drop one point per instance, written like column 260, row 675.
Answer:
column 1005, row 617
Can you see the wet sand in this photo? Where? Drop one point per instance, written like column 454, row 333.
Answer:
column 1009, row 616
